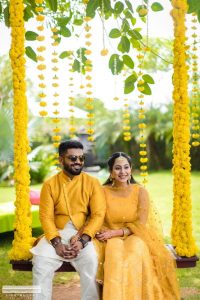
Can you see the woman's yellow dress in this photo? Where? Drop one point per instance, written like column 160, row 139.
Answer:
column 136, row 267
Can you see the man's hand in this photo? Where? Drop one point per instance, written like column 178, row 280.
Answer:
column 76, row 246
column 104, row 236
column 65, row 251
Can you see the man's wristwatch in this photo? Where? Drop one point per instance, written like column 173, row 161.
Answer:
column 55, row 242
column 83, row 242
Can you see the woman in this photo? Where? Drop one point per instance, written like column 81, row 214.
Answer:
column 137, row 266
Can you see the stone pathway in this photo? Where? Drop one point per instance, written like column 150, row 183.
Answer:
column 72, row 292
column 66, row 291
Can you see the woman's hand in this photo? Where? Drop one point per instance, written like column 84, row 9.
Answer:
column 105, row 235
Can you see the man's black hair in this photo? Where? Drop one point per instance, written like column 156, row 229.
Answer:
column 64, row 146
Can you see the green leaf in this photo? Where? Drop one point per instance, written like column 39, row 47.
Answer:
column 193, row 6
column 118, row 8
column 65, row 54
column 128, row 61
column 125, row 25
column 6, row 14
column 0, row 8
column 53, row 5
column 135, row 34
column 31, row 35
column 156, row 6
column 63, row 21
column 129, row 5
column 81, row 51
column 129, row 83
column 107, row 8
column 132, row 78
column 28, row 13
column 128, row 14
column 76, row 65
column 198, row 16
column 32, row 3
column 64, row 31
column 114, row 33
column 147, row 89
column 91, row 8
column 135, row 44
column 133, row 21
column 115, row 64
column 78, row 22
column 147, row 78
column 124, row 44
column 31, row 53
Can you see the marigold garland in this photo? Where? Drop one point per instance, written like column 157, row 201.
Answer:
column 41, row 66
column 142, row 124
column 88, row 69
column 195, row 97
column 182, row 225
column 72, row 127
column 56, row 138
column 23, row 233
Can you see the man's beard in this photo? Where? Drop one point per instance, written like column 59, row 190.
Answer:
column 71, row 171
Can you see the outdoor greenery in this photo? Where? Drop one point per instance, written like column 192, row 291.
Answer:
column 68, row 16
column 160, row 189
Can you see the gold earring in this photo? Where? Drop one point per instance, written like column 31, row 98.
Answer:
column 113, row 181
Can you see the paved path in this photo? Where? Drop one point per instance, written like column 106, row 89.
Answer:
column 66, row 292
column 72, row 292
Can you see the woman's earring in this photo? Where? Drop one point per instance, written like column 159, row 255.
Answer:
column 112, row 180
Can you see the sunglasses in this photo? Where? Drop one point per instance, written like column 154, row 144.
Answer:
column 74, row 158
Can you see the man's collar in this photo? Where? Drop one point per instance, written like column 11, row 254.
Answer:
column 68, row 178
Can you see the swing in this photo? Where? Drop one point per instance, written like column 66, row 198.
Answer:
column 22, row 225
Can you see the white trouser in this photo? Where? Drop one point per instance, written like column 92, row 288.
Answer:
column 44, row 267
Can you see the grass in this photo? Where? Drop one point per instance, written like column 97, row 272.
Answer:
column 160, row 189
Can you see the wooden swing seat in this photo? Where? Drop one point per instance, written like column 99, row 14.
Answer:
column 181, row 262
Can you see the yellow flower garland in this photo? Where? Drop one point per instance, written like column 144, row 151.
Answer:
column 195, row 133
column 142, row 119
column 23, row 235
column 89, row 89
column 72, row 125
column 182, row 225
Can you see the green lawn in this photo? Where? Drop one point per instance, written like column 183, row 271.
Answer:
column 160, row 189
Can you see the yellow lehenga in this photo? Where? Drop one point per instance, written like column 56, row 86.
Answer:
column 136, row 267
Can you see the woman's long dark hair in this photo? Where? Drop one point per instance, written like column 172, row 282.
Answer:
column 111, row 162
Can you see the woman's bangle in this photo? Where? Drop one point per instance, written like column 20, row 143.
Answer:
column 126, row 231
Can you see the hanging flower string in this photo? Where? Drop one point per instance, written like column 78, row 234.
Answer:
column 182, row 225
column 55, row 85
column 142, row 123
column 195, row 97
column 72, row 127
column 116, row 98
column 88, row 78
column 126, row 118
column 104, row 51
column 22, row 227
column 41, row 66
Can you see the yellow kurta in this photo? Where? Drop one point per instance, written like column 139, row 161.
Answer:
column 137, row 267
column 63, row 199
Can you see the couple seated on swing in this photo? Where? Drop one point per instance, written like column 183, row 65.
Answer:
column 108, row 233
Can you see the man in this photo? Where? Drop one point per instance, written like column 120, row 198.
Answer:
column 71, row 202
